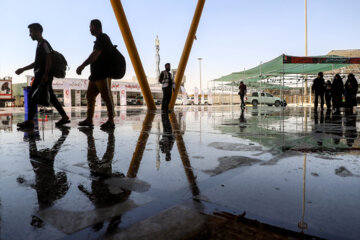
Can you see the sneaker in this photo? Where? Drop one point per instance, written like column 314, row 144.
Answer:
column 85, row 123
column 25, row 125
column 107, row 125
column 62, row 122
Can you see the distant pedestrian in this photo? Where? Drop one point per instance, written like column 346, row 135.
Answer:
column 242, row 93
column 43, row 75
column 168, row 86
column 318, row 88
column 351, row 89
column 100, row 81
column 337, row 90
column 328, row 95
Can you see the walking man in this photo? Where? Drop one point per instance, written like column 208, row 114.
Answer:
column 242, row 92
column 319, row 88
column 42, row 67
column 168, row 85
column 100, row 81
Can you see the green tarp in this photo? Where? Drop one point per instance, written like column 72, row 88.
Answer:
column 277, row 67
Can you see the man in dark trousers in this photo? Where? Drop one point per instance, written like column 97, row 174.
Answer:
column 100, row 81
column 42, row 67
column 318, row 88
column 168, row 85
column 242, row 92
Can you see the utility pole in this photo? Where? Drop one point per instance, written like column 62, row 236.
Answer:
column 201, row 93
column 306, row 48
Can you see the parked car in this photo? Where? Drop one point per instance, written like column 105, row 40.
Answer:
column 264, row 98
column 139, row 100
column 179, row 101
column 157, row 101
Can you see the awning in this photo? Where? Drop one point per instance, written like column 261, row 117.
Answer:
column 285, row 64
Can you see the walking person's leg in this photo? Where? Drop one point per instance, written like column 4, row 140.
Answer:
column 322, row 101
column 316, row 101
column 166, row 99
column 91, row 94
column 104, row 86
column 55, row 102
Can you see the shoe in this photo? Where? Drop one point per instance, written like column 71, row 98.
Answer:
column 107, row 126
column 62, row 122
column 85, row 123
column 25, row 125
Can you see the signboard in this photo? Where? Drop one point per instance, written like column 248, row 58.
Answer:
column 122, row 95
column 326, row 60
column 184, row 96
column 67, row 94
column 196, row 96
column 210, row 97
column 5, row 89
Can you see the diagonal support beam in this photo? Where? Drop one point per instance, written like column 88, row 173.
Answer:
column 133, row 53
column 187, row 49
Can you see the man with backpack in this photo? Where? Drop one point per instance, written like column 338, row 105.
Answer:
column 43, row 75
column 100, row 81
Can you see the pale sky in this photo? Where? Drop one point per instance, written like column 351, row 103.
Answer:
column 232, row 34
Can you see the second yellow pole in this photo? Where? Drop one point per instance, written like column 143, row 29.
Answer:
column 186, row 52
column 133, row 53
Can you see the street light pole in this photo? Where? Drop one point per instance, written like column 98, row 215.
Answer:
column 201, row 94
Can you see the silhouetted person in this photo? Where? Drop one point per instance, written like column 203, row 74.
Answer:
column 242, row 93
column 351, row 89
column 318, row 88
column 100, row 81
column 337, row 90
column 168, row 139
column 100, row 194
column 328, row 95
column 168, row 86
column 42, row 67
column 350, row 132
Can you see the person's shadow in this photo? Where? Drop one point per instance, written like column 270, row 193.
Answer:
column 242, row 120
column 350, row 132
column 49, row 186
column 168, row 139
column 101, row 170
column 337, row 128
column 318, row 128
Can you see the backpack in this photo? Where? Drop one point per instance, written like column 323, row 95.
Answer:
column 118, row 64
column 59, row 65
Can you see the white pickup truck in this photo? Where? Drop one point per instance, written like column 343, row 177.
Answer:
column 264, row 98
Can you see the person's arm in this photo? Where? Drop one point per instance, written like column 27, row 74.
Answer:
column 28, row 67
column 92, row 58
column 161, row 77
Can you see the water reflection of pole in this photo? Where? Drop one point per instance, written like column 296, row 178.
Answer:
column 184, row 156
column 302, row 224
column 158, row 147
column 140, row 146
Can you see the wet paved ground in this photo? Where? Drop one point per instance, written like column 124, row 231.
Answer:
column 289, row 168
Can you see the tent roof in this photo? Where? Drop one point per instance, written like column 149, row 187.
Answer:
column 285, row 64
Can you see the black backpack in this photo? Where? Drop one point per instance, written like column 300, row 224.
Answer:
column 59, row 65
column 118, row 64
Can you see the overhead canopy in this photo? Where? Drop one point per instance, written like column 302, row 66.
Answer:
column 285, row 64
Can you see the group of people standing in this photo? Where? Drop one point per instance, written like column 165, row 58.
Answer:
column 334, row 91
column 100, row 81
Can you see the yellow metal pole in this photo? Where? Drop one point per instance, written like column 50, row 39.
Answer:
column 133, row 53
column 186, row 52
